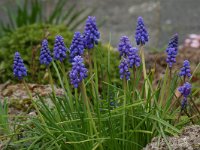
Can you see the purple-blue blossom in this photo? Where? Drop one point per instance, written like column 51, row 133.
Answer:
column 124, row 69
column 59, row 49
column 171, row 57
column 45, row 54
column 172, row 50
column 78, row 71
column 173, row 43
column 141, row 34
column 185, row 90
column 185, row 70
column 133, row 57
column 19, row 70
column 91, row 33
column 77, row 46
column 124, row 46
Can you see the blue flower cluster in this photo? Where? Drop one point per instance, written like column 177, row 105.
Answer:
column 141, row 34
column 59, row 49
column 19, row 70
column 173, row 43
column 45, row 54
column 171, row 57
column 124, row 46
column 172, row 50
column 185, row 70
column 130, row 57
column 78, row 72
column 91, row 33
column 133, row 57
column 77, row 46
column 185, row 90
column 124, row 69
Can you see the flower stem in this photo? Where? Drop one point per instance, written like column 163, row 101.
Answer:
column 124, row 109
column 134, row 80
column 144, row 69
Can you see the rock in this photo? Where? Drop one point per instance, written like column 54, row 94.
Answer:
column 189, row 139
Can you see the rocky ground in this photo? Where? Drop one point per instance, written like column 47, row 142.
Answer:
column 189, row 139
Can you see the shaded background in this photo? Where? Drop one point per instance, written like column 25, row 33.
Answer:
column 162, row 17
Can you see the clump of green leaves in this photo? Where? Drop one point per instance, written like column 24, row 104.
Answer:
column 104, row 114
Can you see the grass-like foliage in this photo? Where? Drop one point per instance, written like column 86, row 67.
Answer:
column 99, row 111
column 101, row 114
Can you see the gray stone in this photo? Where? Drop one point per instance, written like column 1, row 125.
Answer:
column 189, row 139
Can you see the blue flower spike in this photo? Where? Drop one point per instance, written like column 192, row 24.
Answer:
column 19, row 70
column 185, row 90
column 45, row 54
column 173, row 43
column 124, row 46
column 59, row 49
column 172, row 51
column 91, row 33
column 77, row 46
column 185, row 70
column 78, row 71
column 124, row 69
column 133, row 57
column 141, row 34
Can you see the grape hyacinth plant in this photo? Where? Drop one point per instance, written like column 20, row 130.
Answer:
column 45, row 54
column 141, row 38
column 91, row 33
column 59, row 49
column 124, row 46
column 78, row 71
column 141, row 34
column 185, row 70
column 77, row 46
column 98, row 110
column 19, row 70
